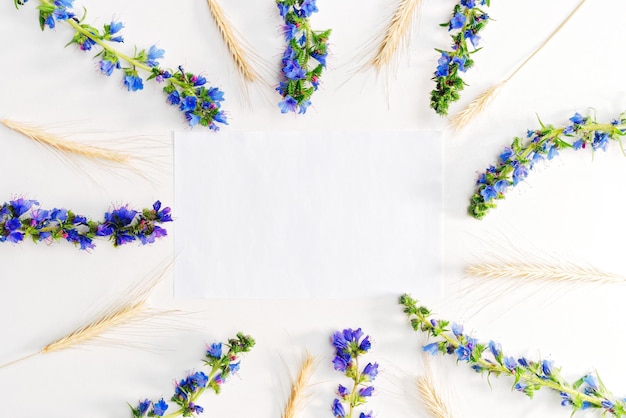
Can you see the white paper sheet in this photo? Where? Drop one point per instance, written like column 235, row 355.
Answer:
column 307, row 215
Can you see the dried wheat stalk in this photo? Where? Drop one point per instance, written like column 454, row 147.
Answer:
column 64, row 146
column 234, row 46
column 461, row 119
column 395, row 33
column 294, row 404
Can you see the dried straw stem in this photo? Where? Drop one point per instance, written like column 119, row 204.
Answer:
column 71, row 147
column 432, row 401
column 395, row 33
column 91, row 331
column 294, row 403
column 461, row 119
column 236, row 50
column 543, row 272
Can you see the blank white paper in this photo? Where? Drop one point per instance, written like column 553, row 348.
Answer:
column 307, row 214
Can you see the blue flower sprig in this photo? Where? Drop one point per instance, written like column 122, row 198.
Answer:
column 302, row 75
column 349, row 346
column 516, row 161
column 467, row 21
column 189, row 389
column 22, row 218
column 199, row 104
column 528, row 376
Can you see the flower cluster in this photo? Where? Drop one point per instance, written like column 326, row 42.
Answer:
column 528, row 376
column 189, row 389
column 516, row 161
column 467, row 21
column 303, row 44
column 349, row 345
column 199, row 104
column 21, row 218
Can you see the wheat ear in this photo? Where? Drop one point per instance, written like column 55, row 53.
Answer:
column 568, row 273
column 124, row 312
column 71, row 147
column 434, row 404
column 465, row 116
column 294, row 404
column 395, row 33
column 234, row 46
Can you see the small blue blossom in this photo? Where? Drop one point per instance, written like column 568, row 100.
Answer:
column 133, row 82
column 366, row 391
column 591, row 381
column 457, row 329
column 289, row 104
column 577, row 119
column 371, row 371
column 160, row 407
column 337, row 409
column 432, row 348
column 343, row 391
column 457, row 21
column 154, row 54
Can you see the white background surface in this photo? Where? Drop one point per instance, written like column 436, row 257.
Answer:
column 571, row 209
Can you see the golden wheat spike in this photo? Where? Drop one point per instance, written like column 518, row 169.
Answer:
column 124, row 312
column 395, row 33
column 461, row 119
column 434, row 404
column 294, row 404
column 234, row 46
column 568, row 273
column 71, row 147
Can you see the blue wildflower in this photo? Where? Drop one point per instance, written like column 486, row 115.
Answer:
column 192, row 118
column 365, row 344
column 188, row 103
column 115, row 27
column 473, row 37
column 488, row 193
column 443, row 67
column 496, row 349
column 340, row 363
column 143, row 406
column 366, row 391
column 20, row 206
column 195, row 409
column 133, row 82
column 216, row 94
column 506, row 155
column 154, row 54
column 457, row 329
column 290, row 30
column 321, row 58
column 457, row 21
column 470, row 4
column 591, row 381
column 282, row 9
column 343, row 391
column 510, row 363
column 577, row 119
column 365, row 415
column 87, row 44
column 221, row 118
column 107, row 67
column 173, row 98
column 370, row 371
column 546, row 367
column 460, row 62
column 432, row 348
column 159, row 408
column 288, row 104
column 500, row 186
column 308, row 7
column 600, row 140
column 337, row 409
column 294, row 71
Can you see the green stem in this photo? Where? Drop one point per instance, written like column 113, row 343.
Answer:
column 498, row 368
column 196, row 395
column 353, row 395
